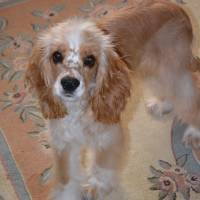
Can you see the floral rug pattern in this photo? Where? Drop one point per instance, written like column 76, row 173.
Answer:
column 22, row 125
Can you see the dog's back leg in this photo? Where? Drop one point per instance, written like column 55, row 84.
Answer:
column 167, row 64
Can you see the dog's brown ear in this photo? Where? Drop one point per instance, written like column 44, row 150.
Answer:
column 38, row 76
column 112, row 89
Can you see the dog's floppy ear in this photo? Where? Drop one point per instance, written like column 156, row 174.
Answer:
column 112, row 89
column 38, row 76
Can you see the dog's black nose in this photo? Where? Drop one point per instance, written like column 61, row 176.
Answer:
column 69, row 84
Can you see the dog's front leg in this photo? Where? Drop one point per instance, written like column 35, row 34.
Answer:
column 67, row 174
column 108, row 163
column 62, row 166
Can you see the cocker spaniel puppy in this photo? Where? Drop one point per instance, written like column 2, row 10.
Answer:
column 80, row 70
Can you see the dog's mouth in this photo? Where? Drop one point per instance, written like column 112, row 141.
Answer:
column 68, row 95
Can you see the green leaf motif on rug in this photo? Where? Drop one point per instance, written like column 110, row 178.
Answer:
column 3, row 23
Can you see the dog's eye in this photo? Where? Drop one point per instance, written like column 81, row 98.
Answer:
column 57, row 57
column 89, row 61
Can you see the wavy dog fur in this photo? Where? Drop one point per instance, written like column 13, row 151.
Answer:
column 152, row 38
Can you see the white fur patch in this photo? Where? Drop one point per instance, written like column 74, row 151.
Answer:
column 74, row 40
column 74, row 164
column 73, row 59
column 191, row 137
column 79, row 128
column 158, row 108
column 71, row 191
column 104, row 180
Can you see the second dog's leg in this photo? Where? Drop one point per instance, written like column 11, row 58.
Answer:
column 191, row 137
column 185, row 98
column 188, row 109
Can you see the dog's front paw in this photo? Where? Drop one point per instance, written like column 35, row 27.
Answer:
column 191, row 138
column 89, row 192
column 71, row 191
column 158, row 108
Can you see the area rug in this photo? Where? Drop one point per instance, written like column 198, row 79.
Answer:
column 158, row 167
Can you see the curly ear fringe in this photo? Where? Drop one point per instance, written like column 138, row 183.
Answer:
column 50, row 106
column 110, row 97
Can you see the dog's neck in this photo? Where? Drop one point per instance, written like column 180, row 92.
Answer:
column 77, row 107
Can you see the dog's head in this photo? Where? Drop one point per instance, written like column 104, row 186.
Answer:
column 75, row 60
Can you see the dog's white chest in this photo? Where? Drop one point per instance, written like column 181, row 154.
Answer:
column 67, row 130
column 82, row 130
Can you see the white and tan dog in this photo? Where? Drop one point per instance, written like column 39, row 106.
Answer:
column 80, row 70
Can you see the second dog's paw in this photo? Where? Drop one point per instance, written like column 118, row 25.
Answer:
column 191, row 138
column 158, row 108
